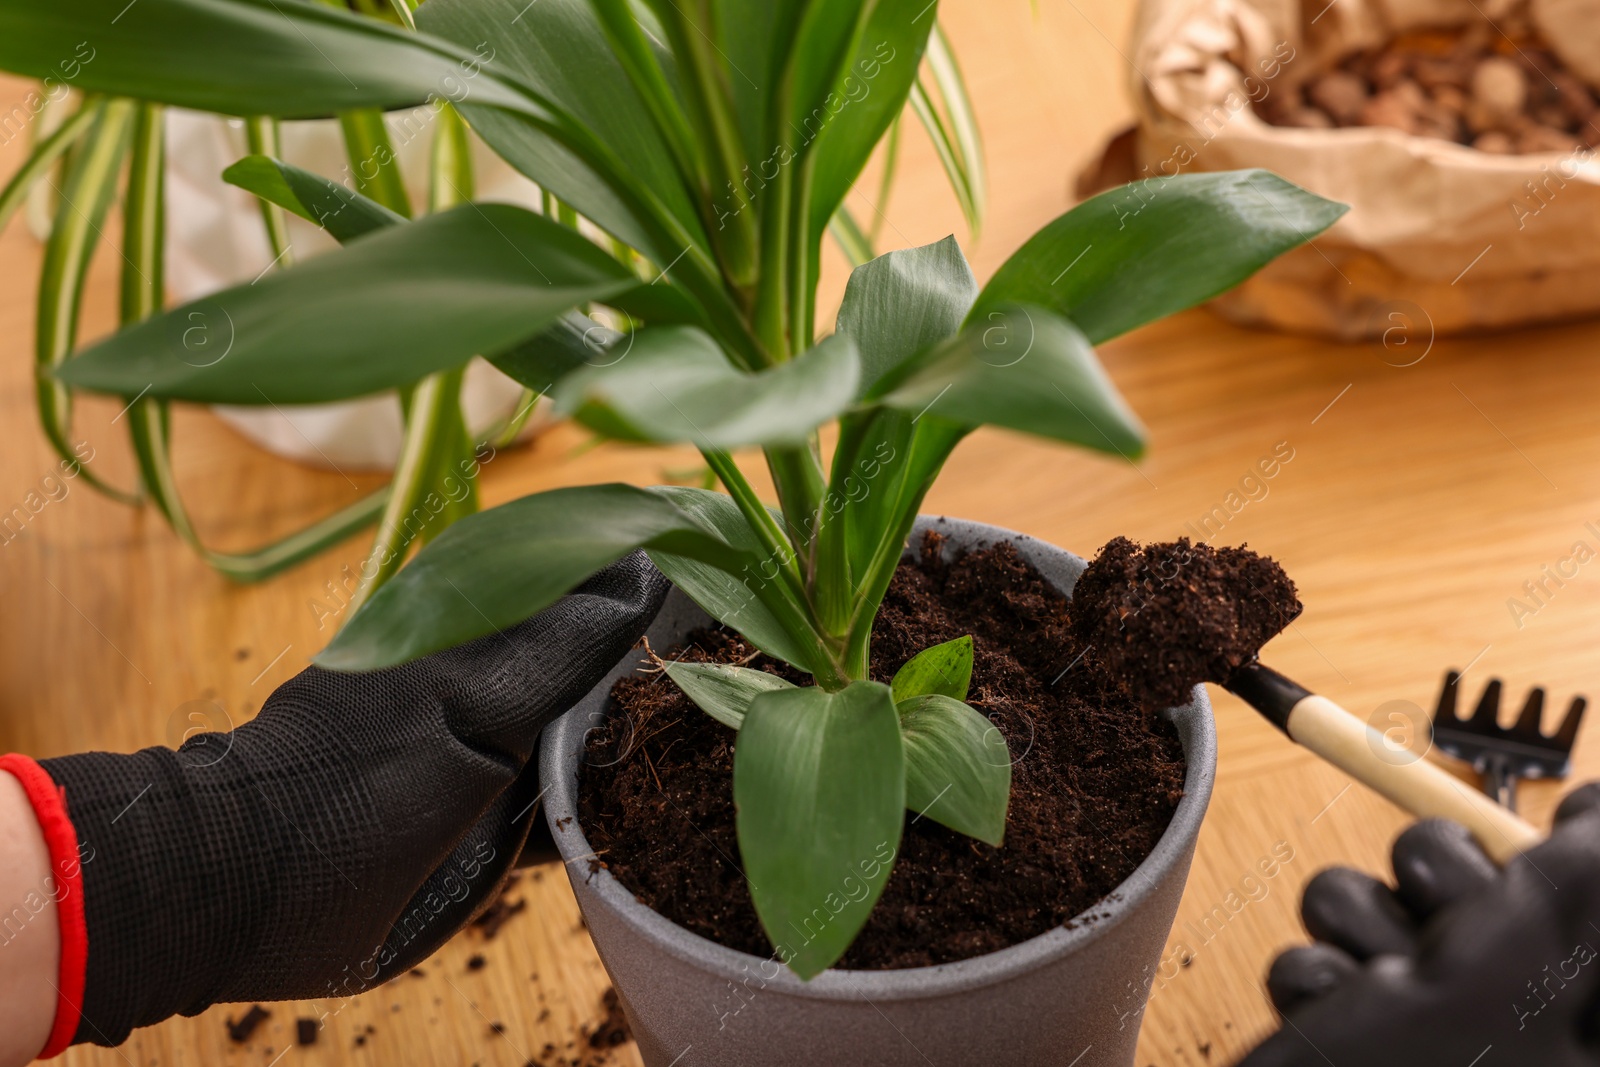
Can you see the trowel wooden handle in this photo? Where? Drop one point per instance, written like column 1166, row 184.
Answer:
column 1406, row 778
column 1424, row 789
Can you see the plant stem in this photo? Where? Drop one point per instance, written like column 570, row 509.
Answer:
column 826, row 665
column 771, row 317
column 931, row 444
column 762, row 524
column 451, row 179
column 261, row 133
column 797, row 475
column 373, row 164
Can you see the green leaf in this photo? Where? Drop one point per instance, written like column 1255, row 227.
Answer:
column 494, row 569
column 757, row 40
column 288, row 58
column 1024, row 369
column 957, row 142
column 850, row 237
column 44, row 156
column 903, row 303
column 749, row 597
column 344, row 213
column 944, row 669
column 958, row 768
column 870, row 91
column 819, row 789
column 1141, row 252
column 722, row 690
column 559, row 48
column 574, row 341
column 674, row 384
column 379, row 313
column 897, row 307
column 88, row 188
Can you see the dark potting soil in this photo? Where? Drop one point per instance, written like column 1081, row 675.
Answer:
column 244, row 1028
column 1163, row 618
column 1094, row 782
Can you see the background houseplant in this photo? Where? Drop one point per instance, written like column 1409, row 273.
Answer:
column 725, row 192
column 84, row 142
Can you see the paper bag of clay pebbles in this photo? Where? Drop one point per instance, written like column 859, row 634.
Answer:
column 1464, row 134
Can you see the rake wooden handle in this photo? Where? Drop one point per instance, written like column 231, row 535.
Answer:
column 1422, row 788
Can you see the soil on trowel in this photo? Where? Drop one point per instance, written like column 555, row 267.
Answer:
column 1162, row 618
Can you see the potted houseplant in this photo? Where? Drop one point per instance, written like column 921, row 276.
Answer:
column 214, row 236
column 716, row 141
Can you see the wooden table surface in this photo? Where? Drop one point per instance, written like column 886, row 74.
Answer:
column 1417, row 503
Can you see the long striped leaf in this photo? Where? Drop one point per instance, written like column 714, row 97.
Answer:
column 379, row 313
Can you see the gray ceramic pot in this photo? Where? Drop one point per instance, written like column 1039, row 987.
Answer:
column 1072, row 997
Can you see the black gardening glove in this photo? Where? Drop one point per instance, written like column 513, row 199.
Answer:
column 342, row 835
column 1461, row 965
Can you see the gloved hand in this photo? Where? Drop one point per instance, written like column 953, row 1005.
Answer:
column 1460, row 965
column 330, row 843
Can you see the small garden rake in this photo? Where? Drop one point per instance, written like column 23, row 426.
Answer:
column 1503, row 755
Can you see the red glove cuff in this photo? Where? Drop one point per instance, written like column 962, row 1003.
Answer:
column 65, row 884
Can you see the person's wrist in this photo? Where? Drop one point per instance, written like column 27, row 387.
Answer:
column 41, row 972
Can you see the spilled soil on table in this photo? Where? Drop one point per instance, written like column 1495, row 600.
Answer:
column 1095, row 778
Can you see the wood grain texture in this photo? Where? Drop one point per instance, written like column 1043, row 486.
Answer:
column 1417, row 503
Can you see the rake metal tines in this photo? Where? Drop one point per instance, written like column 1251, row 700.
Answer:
column 1505, row 754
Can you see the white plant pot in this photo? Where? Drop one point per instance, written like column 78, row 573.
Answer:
column 215, row 238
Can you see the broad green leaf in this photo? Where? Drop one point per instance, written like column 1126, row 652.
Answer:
column 1025, row 369
column 1138, row 253
column 895, row 307
column 344, row 213
column 958, row 768
column 382, row 312
column 289, row 58
column 757, row 40
column 494, row 569
column 905, row 302
column 944, row 669
column 817, row 58
column 558, row 48
column 674, row 384
column 870, row 91
column 742, row 598
column 819, row 790
column 574, row 341
column 722, row 690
